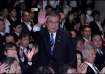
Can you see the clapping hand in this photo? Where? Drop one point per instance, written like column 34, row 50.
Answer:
column 82, row 68
column 3, row 68
column 29, row 53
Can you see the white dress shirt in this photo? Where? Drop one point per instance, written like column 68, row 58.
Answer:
column 28, row 24
column 54, row 36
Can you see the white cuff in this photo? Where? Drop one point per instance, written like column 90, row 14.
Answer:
column 36, row 28
column 29, row 63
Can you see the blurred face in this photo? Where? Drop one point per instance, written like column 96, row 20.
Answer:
column 26, row 17
column 25, row 41
column 2, row 26
column 18, row 29
column 13, row 13
column 10, row 39
column 80, row 45
column 5, row 12
column 97, row 17
column 62, row 15
column 73, row 33
column 71, row 17
column 53, row 23
column 91, row 56
column 87, row 32
column 89, row 12
column 11, row 52
column 97, row 41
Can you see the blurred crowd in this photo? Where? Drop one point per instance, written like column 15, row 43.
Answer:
column 51, row 39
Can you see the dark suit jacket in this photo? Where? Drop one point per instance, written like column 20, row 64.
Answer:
column 63, row 52
column 95, row 28
column 25, row 29
column 90, row 70
column 100, row 59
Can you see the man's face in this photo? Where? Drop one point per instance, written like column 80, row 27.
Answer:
column 91, row 55
column 9, row 39
column 26, row 17
column 18, row 29
column 97, row 41
column 11, row 52
column 87, row 32
column 13, row 13
column 25, row 41
column 97, row 17
column 53, row 23
column 2, row 26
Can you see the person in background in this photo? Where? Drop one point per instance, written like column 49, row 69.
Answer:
column 17, row 30
column 100, row 51
column 9, row 38
column 96, row 24
column 27, row 24
column 86, row 33
column 27, row 54
column 12, row 17
column 89, row 55
column 89, row 17
column 44, row 70
column 4, row 15
column 11, row 58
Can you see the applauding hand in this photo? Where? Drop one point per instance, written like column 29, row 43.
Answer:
column 3, row 68
column 82, row 68
column 29, row 53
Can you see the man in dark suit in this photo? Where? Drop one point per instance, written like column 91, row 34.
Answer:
column 88, row 67
column 55, row 45
column 96, row 25
column 27, row 24
column 100, row 55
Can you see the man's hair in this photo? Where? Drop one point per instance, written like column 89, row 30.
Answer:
column 53, row 13
column 83, row 27
column 45, row 70
column 22, row 35
column 10, row 45
column 95, row 35
column 87, row 48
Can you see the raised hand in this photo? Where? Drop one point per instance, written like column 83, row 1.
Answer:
column 82, row 68
column 42, row 17
column 3, row 68
column 29, row 53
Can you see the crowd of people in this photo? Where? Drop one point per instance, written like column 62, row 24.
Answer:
column 50, row 40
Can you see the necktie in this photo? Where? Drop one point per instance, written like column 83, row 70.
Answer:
column 51, row 43
column 100, row 51
column 96, row 69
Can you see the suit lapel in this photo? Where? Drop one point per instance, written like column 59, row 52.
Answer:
column 46, row 40
column 57, row 41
